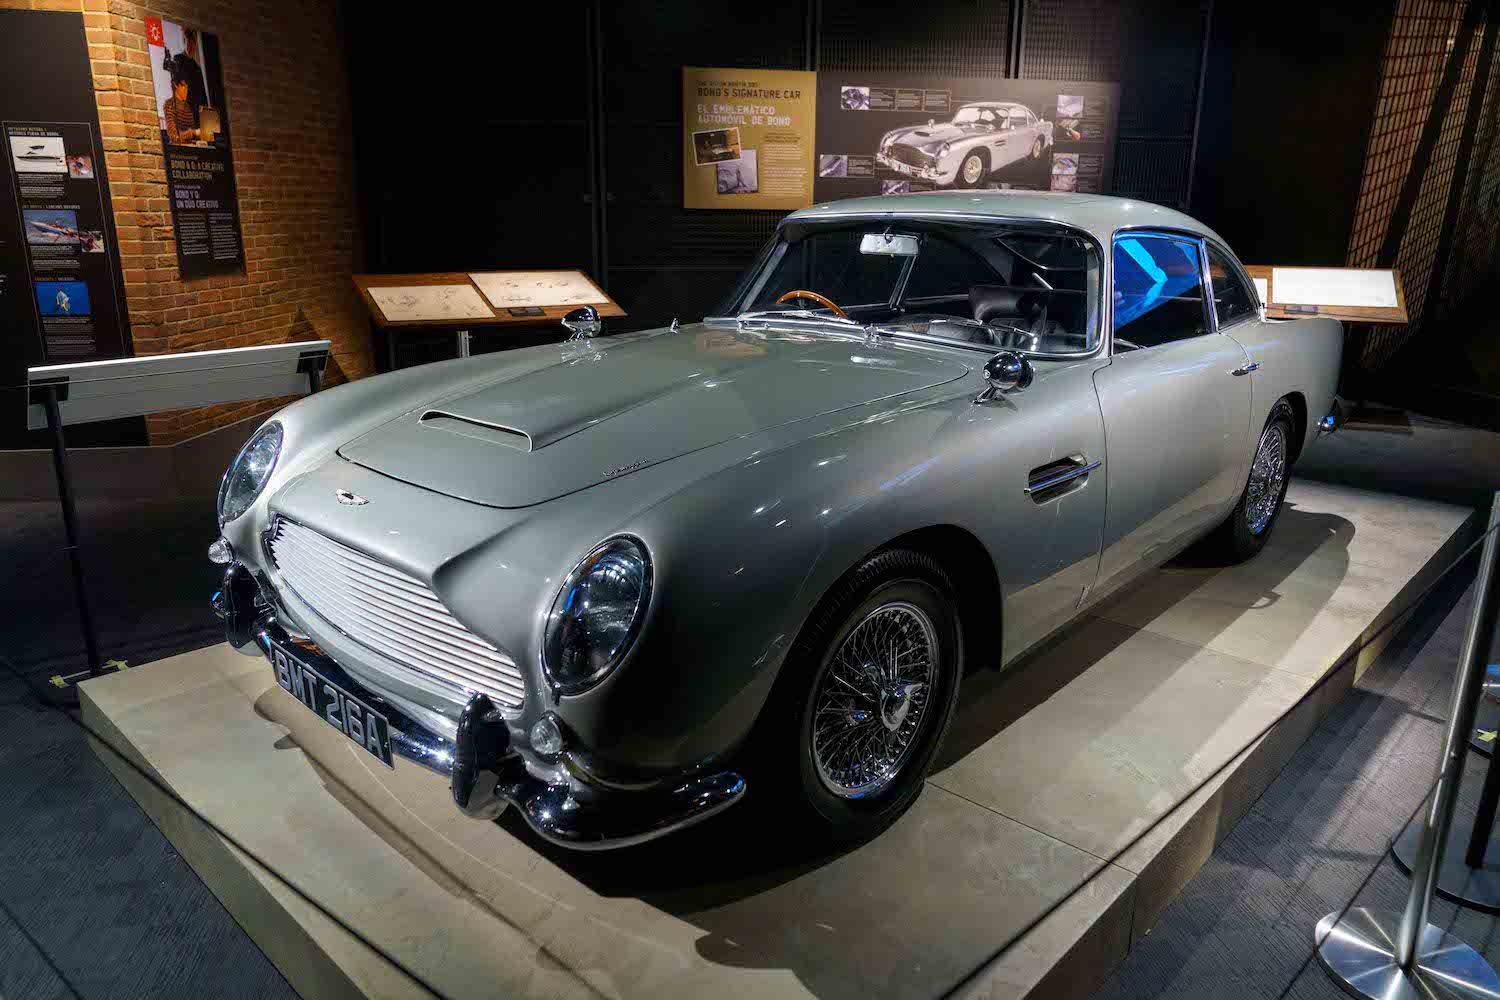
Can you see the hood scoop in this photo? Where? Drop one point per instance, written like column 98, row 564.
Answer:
column 507, row 437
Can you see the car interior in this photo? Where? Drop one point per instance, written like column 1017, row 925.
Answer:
column 1026, row 289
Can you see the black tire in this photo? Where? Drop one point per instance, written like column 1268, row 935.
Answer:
column 1038, row 148
column 984, row 168
column 1239, row 538
column 785, row 765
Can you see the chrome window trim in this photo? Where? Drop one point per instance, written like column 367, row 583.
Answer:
column 1101, row 346
column 1240, row 273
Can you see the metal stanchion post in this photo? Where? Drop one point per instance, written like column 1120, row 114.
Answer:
column 1388, row 957
column 70, row 528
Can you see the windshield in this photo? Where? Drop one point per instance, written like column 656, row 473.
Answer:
column 1032, row 288
column 967, row 116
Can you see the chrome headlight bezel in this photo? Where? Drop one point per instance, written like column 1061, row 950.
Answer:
column 559, row 615
column 258, row 474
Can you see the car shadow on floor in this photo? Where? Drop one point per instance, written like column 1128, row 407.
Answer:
column 770, row 898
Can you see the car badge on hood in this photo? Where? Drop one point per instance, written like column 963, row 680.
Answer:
column 350, row 499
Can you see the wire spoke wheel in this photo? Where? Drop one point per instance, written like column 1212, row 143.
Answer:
column 872, row 700
column 1267, row 476
column 973, row 169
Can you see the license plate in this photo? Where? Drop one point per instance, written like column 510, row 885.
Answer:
column 335, row 706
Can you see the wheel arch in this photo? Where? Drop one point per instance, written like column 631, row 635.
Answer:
column 968, row 562
column 1298, row 403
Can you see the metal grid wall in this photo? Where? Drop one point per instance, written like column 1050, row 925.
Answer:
column 958, row 39
column 1472, row 263
column 1422, row 34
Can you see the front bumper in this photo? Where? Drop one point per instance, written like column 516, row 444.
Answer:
column 485, row 772
column 934, row 173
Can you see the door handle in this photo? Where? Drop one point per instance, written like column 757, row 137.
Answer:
column 1050, row 478
column 1247, row 369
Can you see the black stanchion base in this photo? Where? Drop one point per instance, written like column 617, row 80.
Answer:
column 1478, row 888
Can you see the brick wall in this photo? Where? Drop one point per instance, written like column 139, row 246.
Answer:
column 287, row 95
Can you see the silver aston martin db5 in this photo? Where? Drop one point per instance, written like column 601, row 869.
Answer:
column 619, row 581
column 981, row 139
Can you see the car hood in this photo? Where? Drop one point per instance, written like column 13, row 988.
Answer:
column 608, row 409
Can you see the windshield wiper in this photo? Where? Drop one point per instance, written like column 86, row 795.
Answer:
column 804, row 314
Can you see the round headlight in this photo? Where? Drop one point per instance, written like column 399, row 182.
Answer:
column 248, row 472
column 944, row 148
column 597, row 614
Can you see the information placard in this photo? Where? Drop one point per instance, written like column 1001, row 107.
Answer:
column 747, row 138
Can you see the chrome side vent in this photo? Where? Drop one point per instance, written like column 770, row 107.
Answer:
column 1059, row 478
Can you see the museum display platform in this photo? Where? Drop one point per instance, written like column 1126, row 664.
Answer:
column 1064, row 814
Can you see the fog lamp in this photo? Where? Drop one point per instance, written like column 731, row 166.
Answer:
column 546, row 736
column 220, row 552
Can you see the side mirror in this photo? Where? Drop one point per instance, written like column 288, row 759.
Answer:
column 1007, row 371
column 583, row 322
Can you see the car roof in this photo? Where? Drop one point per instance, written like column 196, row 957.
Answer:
column 993, row 104
column 1100, row 215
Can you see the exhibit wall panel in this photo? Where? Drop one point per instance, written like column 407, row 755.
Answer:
column 1427, row 75
column 285, row 84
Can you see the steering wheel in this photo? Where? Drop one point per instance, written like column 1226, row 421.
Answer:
column 822, row 300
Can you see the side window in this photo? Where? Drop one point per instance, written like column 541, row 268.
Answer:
column 1158, row 291
column 1018, row 119
column 1232, row 300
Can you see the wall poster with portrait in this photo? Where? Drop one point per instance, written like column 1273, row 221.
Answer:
column 188, row 83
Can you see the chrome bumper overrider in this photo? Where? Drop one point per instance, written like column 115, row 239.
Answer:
column 486, row 772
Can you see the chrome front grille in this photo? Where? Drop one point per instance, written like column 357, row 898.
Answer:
column 911, row 156
column 391, row 613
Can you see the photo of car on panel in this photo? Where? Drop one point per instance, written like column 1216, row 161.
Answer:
column 896, row 134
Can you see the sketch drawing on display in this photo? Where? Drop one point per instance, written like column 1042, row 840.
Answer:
column 980, row 139
column 425, row 303
column 517, row 289
column 855, row 98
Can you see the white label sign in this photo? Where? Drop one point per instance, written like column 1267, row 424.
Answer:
column 1318, row 286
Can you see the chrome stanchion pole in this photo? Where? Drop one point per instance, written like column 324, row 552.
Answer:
column 1388, row 957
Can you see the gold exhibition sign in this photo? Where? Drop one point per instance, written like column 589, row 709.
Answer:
column 748, row 137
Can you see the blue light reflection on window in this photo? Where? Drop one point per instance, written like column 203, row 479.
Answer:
column 1150, row 271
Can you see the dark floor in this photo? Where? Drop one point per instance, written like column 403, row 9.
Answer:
column 94, row 902
column 148, row 574
column 1243, row 927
